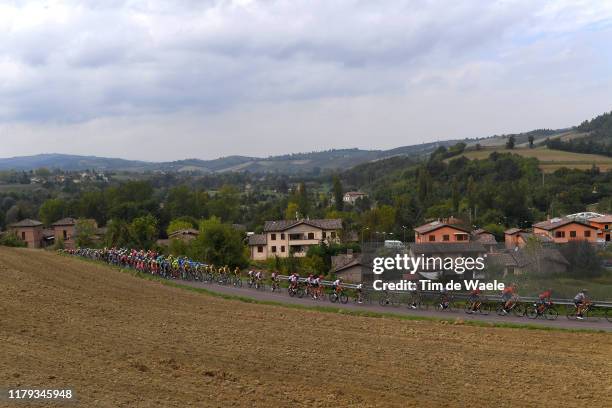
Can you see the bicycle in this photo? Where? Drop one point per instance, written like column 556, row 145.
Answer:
column 296, row 291
column 338, row 296
column 517, row 309
column 588, row 310
column 477, row 306
column 415, row 301
column 547, row 310
column 362, row 298
column 445, row 303
column 387, row 299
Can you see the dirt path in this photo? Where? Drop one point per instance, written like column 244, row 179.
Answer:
column 123, row 341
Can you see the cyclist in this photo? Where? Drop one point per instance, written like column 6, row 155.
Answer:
column 293, row 280
column 474, row 299
column 309, row 284
column 508, row 297
column 274, row 280
column 444, row 299
column 258, row 277
column 337, row 285
column 544, row 299
column 360, row 293
column 581, row 301
column 316, row 283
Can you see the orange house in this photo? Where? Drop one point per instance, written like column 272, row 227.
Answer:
column 511, row 237
column 437, row 231
column 564, row 230
column 29, row 231
column 64, row 230
column 604, row 225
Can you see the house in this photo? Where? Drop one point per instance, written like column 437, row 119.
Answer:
column 511, row 237
column 445, row 250
column 516, row 237
column 281, row 238
column 545, row 261
column 484, row 237
column 351, row 197
column 603, row 224
column 448, row 231
column 564, row 230
column 29, row 231
column 352, row 268
column 64, row 230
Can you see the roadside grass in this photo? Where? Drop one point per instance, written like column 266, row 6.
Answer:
column 340, row 310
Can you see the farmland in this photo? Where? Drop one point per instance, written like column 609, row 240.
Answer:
column 550, row 160
column 122, row 341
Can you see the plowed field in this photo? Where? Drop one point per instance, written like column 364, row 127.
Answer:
column 118, row 340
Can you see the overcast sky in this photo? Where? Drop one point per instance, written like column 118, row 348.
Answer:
column 158, row 80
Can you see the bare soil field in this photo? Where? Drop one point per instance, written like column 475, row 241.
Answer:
column 121, row 341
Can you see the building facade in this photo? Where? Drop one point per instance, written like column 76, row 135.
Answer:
column 564, row 230
column 281, row 238
column 29, row 231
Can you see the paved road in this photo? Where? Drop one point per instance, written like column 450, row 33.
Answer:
column 561, row 322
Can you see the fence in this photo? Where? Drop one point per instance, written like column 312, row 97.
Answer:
column 459, row 296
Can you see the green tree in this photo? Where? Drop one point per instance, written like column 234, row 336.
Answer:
column 510, row 143
column 52, row 210
column 291, row 211
column 338, row 194
column 219, row 244
column 117, row 233
column 531, row 138
column 85, row 231
column 143, row 231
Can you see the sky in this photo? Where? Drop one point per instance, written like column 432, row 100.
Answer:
column 158, row 80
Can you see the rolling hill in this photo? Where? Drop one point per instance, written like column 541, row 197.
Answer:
column 336, row 159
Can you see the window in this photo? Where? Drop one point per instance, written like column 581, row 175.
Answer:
column 324, row 234
column 65, row 234
column 461, row 237
column 587, row 234
column 445, row 237
column 572, row 234
column 432, row 238
column 23, row 236
column 295, row 236
column 282, row 236
column 606, row 226
column 560, row 234
column 282, row 248
column 273, row 237
column 260, row 249
column 273, row 248
column 311, row 235
column 333, row 234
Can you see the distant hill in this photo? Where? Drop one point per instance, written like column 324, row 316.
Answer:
column 588, row 137
column 336, row 159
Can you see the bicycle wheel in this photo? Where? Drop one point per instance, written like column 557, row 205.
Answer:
column 383, row 301
column 570, row 312
column 343, row 298
column 300, row 293
column 500, row 310
column 531, row 312
column 291, row 292
column 519, row 310
column 333, row 298
column 485, row 309
column 551, row 314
